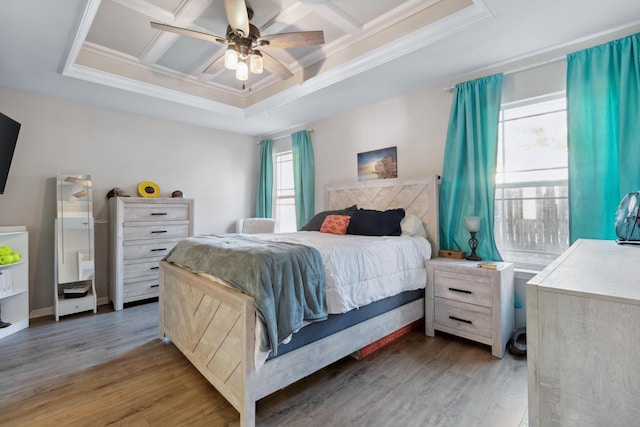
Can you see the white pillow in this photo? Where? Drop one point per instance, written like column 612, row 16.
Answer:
column 411, row 225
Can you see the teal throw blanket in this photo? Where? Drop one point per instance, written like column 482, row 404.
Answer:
column 286, row 279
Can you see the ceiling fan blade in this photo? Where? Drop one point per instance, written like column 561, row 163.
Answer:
column 273, row 65
column 237, row 16
column 215, row 66
column 188, row 33
column 298, row 39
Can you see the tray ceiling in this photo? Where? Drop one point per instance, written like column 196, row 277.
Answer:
column 116, row 45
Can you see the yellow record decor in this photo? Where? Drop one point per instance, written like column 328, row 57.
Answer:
column 148, row 189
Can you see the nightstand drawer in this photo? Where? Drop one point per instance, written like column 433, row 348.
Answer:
column 463, row 317
column 148, row 250
column 463, row 287
column 156, row 212
column 154, row 232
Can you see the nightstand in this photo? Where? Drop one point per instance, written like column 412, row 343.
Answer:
column 465, row 300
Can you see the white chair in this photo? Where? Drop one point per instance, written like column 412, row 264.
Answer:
column 256, row 225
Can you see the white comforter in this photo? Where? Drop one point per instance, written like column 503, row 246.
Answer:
column 363, row 269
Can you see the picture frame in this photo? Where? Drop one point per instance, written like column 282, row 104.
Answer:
column 378, row 164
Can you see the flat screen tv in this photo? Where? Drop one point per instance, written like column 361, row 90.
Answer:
column 9, row 129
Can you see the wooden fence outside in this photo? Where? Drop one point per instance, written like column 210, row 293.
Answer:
column 532, row 229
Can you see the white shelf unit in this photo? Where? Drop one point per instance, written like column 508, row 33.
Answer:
column 14, row 281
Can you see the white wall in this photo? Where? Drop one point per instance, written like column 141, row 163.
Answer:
column 415, row 123
column 218, row 169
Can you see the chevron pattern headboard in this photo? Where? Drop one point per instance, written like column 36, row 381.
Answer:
column 417, row 196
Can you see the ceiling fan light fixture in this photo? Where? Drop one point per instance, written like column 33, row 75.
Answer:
column 243, row 43
column 242, row 71
column 230, row 58
column 257, row 66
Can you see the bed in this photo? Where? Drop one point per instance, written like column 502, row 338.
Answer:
column 214, row 326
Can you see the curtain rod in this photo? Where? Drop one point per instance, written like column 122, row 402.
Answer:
column 282, row 136
column 519, row 70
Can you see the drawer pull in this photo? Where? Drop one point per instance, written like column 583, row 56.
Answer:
column 154, row 286
column 158, row 231
column 158, row 250
column 461, row 320
column 154, row 268
column 158, row 213
column 460, row 290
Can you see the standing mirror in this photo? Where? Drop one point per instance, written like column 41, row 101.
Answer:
column 74, row 236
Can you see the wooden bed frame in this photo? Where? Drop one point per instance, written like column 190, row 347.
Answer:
column 214, row 326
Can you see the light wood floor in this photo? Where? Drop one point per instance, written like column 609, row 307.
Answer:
column 110, row 369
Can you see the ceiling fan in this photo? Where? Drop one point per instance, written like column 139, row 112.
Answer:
column 245, row 46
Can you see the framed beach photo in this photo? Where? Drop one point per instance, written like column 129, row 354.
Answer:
column 378, row 164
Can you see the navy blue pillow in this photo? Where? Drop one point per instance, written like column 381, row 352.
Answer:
column 315, row 223
column 368, row 222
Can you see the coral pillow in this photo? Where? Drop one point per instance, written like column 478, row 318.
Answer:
column 335, row 224
column 316, row 222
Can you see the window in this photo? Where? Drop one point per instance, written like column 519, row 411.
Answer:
column 531, row 201
column 285, row 204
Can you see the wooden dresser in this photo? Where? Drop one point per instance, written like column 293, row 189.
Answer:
column 471, row 302
column 583, row 319
column 142, row 232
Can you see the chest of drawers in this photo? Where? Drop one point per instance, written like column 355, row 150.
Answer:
column 583, row 315
column 142, row 232
column 471, row 302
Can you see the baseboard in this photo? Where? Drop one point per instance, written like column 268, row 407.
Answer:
column 49, row 311
column 41, row 312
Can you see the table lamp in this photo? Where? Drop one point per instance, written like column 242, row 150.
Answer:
column 473, row 226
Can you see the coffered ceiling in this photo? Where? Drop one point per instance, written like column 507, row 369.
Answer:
column 116, row 45
column 106, row 52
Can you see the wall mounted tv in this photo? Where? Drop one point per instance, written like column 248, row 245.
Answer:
column 9, row 129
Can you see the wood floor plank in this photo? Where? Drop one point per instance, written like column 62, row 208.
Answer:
column 110, row 369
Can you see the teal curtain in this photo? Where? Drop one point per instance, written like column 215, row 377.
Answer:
column 303, row 176
column 469, row 169
column 264, row 195
column 603, row 114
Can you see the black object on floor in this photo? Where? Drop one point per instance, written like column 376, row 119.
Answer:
column 4, row 324
column 517, row 344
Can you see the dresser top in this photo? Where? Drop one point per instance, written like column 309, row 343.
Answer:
column 152, row 200
column 595, row 268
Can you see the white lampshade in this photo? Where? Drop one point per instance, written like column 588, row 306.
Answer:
column 256, row 63
column 230, row 58
column 472, row 223
column 242, row 71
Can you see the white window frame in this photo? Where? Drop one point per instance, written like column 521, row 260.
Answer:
column 538, row 258
column 278, row 198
